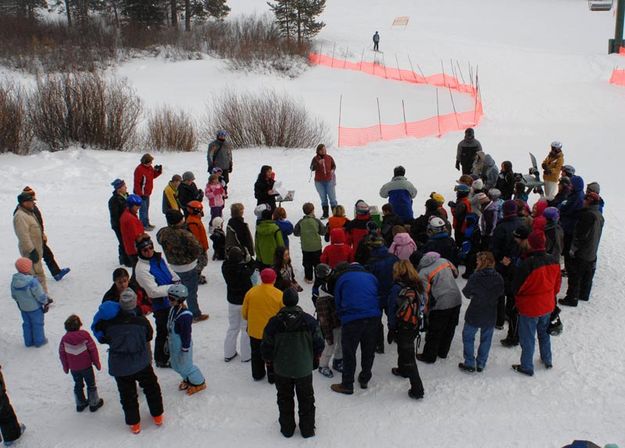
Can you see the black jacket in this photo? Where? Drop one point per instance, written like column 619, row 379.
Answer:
column 238, row 234
column 117, row 205
column 502, row 243
column 388, row 222
column 188, row 193
column 505, row 184
column 440, row 243
column 238, row 282
column 483, row 289
column 587, row 233
column 555, row 239
column 261, row 192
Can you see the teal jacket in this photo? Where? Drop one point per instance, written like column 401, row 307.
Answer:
column 292, row 342
column 310, row 230
column 27, row 292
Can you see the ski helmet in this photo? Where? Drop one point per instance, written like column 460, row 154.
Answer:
column 178, row 292
column 217, row 222
column 222, row 134
column 258, row 211
column 436, row 225
column 143, row 243
column 462, row 188
column 195, row 207
column 551, row 213
column 133, row 199
column 322, row 271
column 556, row 145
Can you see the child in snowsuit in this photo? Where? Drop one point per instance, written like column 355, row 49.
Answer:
column 336, row 221
column 215, row 193
column 218, row 237
column 329, row 322
column 78, row 353
column 403, row 246
column 338, row 251
column 32, row 301
column 483, row 289
column 310, row 230
column 292, row 343
column 404, row 320
column 179, row 342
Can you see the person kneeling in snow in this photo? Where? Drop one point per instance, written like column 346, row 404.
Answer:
column 292, row 343
column 179, row 341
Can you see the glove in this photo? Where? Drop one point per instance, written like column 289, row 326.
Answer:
column 316, row 363
column 451, row 204
column 391, row 336
column 158, row 168
column 34, row 256
column 458, row 165
column 544, row 165
column 45, row 308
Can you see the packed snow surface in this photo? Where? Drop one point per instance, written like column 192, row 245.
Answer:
column 543, row 71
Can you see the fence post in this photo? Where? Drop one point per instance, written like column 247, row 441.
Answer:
column 333, row 48
column 438, row 115
column 398, row 70
column 384, row 65
column 379, row 117
column 403, row 107
column 361, row 58
column 412, row 68
column 345, row 58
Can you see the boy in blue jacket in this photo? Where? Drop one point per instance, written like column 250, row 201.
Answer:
column 32, row 301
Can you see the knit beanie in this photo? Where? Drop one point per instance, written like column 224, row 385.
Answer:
column 537, row 240
column 128, row 300
column 24, row 265
column 362, row 208
column 593, row 187
column 478, row 184
column 290, row 297
column 268, row 276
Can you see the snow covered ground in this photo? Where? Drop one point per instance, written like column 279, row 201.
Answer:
column 543, row 72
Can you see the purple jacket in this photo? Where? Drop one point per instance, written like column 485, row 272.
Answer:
column 78, row 351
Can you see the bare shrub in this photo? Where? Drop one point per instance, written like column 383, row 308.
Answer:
column 266, row 119
column 15, row 129
column 170, row 130
column 85, row 109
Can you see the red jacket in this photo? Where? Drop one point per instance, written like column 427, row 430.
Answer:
column 78, row 351
column 144, row 179
column 357, row 229
column 131, row 227
column 338, row 251
column 323, row 168
column 536, row 284
column 540, row 221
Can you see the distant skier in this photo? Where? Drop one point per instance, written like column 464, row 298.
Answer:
column 376, row 42
column 467, row 149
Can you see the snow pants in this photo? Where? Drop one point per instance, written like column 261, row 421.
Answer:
column 48, row 257
column 127, row 387
column 441, row 328
column 190, row 279
column 406, row 359
column 287, row 388
column 580, row 275
column 32, row 327
column 236, row 326
column 9, row 426
column 160, row 320
column 258, row 364
column 182, row 362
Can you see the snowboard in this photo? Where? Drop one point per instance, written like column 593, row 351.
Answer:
column 532, row 180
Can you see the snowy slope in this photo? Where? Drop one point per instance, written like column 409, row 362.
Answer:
column 543, row 71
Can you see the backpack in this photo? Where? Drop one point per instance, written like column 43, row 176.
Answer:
column 411, row 308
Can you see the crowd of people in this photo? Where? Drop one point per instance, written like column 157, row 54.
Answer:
column 376, row 264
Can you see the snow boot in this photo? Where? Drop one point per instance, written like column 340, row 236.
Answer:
column 465, row 368
column 567, row 301
column 195, row 389
column 230, row 358
column 395, row 371
column 159, row 419
column 326, row 371
column 339, row 388
column 326, row 211
column 135, row 429
column 81, row 401
column 11, row 442
column 519, row 369
column 62, row 273
column 183, row 385
column 337, row 364
column 97, row 406
column 415, row 395
column 95, row 402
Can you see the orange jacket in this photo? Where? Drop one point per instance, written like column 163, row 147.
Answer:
column 196, row 227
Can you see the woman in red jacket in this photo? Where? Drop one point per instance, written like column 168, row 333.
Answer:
column 323, row 165
column 144, row 177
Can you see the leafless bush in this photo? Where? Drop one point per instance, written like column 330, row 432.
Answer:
column 266, row 119
column 170, row 130
column 85, row 109
column 15, row 129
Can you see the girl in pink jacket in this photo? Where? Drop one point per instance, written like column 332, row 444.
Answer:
column 78, row 353
column 403, row 246
column 215, row 193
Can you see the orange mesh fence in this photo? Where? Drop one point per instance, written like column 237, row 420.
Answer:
column 618, row 77
column 438, row 125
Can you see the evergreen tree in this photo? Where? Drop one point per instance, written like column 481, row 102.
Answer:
column 22, row 8
column 216, row 8
column 145, row 12
column 298, row 18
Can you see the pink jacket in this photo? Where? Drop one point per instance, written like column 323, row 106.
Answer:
column 78, row 351
column 403, row 246
column 215, row 194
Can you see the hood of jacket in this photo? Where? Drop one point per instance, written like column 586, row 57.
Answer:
column 540, row 207
column 578, row 184
column 21, row 281
column 109, row 310
column 337, row 236
column 429, row 259
column 402, row 239
column 488, row 161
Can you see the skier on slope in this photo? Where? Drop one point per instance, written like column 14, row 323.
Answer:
column 376, row 42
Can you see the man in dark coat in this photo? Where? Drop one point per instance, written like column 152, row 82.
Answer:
column 219, row 155
column 293, row 343
column 188, row 191
column 117, row 205
column 467, row 149
column 583, row 252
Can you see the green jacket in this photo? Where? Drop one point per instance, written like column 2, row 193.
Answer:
column 268, row 239
column 310, row 230
column 292, row 342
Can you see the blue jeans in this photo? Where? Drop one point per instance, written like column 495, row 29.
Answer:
column 326, row 192
column 82, row 377
column 468, row 340
column 32, row 326
column 144, row 211
column 528, row 327
column 190, row 280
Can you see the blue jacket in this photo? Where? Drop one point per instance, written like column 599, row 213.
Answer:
column 107, row 311
column 381, row 264
column 570, row 207
column 163, row 276
column 27, row 292
column 286, row 227
column 127, row 336
column 356, row 295
column 483, row 289
column 400, row 193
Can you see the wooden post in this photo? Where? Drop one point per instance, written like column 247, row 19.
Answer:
column 361, row 58
column 379, row 117
column 398, row 70
column 438, row 115
column 340, row 113
column 412, row 68
column 333, row 48
column 453, row 104
column 403, row 107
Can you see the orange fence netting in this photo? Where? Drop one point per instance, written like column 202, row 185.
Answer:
column 437, row 125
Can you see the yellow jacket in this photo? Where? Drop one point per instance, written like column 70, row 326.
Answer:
column 170, row 198
column 260, row 304
column 552, row 166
